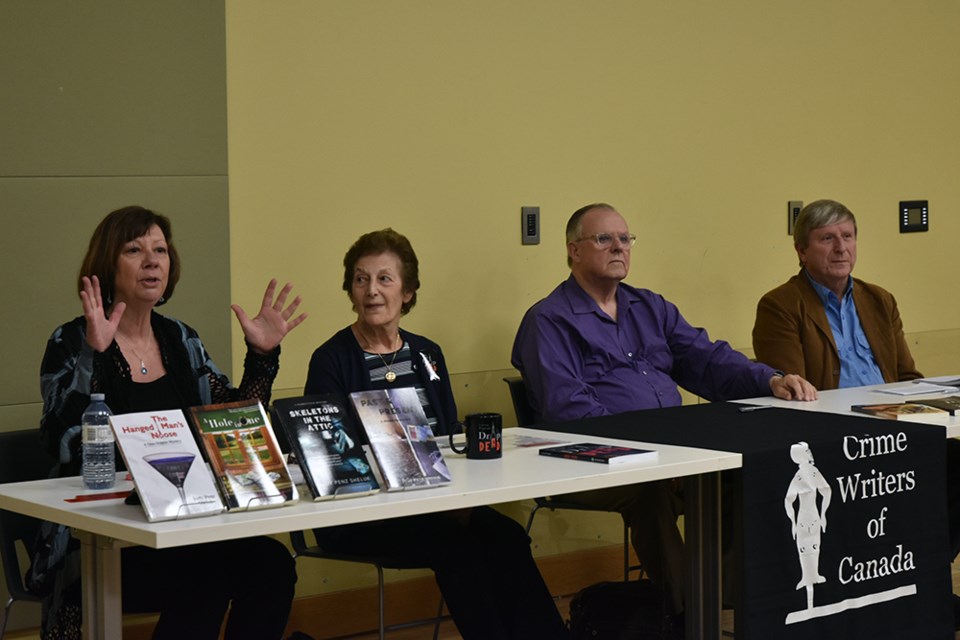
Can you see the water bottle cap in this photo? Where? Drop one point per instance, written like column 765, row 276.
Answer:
column 97, row 397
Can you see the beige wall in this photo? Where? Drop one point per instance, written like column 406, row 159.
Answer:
column 698, row 120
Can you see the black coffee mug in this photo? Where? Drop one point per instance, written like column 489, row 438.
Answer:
column 484, row 436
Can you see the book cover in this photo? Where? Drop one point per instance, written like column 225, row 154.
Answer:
column 400, row 438
column 325, row 442
column 910, row 411
column 244, row 455
column 602, row 453
column 950, row 404
column 171, row 478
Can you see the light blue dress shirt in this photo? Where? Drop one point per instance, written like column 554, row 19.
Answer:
column 857, row 364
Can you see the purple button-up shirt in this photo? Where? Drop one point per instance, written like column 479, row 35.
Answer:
column 578, row 362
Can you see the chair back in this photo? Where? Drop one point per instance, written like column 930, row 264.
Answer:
column 521, row 404
column 22, row 458
column 299, row 543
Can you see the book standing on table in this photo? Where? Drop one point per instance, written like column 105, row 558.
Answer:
column 244, row 455
column 327, row 446
column 400, row 438
column 168, row 471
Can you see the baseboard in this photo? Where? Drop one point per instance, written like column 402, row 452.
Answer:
column 322, row 615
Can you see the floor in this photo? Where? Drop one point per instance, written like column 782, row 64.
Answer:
column 449, row 632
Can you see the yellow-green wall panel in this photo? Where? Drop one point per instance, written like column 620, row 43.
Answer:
column 698, row 120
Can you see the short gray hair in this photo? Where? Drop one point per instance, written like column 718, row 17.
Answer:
column 821, row 213
column 575, row 224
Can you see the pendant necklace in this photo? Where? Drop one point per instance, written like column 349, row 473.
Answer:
column 143, row 367
column 390, row 375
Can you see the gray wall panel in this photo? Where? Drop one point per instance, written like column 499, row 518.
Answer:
column 112, row 87
column 51, row 221
column 105, row 103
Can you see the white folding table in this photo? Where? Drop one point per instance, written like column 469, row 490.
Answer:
column 104, row 526
column 840, row 401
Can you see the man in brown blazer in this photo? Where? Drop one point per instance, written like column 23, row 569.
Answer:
column 838, row 331
column 831, row 328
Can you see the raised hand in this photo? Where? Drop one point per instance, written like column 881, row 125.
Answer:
column 265, row 331
column 100, row 329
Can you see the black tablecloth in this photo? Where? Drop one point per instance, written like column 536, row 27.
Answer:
column 883, row 553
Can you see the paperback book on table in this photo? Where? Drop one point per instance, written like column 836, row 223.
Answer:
column 244, row 455
column 602, row 453
column 950, row 404
column 400, row 438
column 915, row 411
column 326, row 445
column 170, row 476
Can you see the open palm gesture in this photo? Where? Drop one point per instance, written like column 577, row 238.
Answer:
column 100, row 328
column 267, row 329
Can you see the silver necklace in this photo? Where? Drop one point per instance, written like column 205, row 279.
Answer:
column 143, row 367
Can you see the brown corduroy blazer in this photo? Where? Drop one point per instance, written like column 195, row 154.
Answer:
column 792, row 333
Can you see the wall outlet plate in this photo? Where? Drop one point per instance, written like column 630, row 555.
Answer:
column 793, row 210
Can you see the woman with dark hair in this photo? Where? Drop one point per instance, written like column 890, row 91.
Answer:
column 481, row 558
column 144, row 361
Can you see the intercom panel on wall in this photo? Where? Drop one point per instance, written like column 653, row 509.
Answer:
column 914, row 216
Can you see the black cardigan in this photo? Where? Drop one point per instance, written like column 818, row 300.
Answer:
column 337, row 366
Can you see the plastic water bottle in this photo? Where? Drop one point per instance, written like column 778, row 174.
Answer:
column 99, row 469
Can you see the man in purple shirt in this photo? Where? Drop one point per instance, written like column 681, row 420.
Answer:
column 596, row 346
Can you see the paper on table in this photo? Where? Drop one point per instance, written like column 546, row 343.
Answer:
column 951, row 381
column 519, row 441
column 917, row 388
column 534, row 441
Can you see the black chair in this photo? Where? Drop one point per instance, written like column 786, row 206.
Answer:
column 301, row 548
column 22, row 457
column 526, row 417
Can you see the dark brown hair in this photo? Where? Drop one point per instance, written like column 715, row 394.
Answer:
column 385, row 241
column 109, row 238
